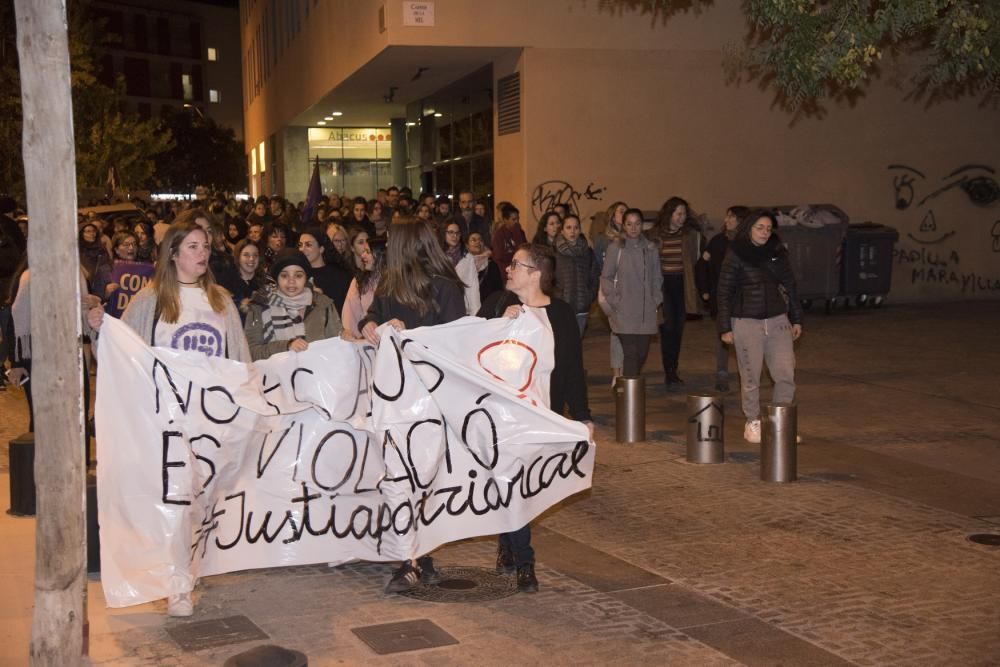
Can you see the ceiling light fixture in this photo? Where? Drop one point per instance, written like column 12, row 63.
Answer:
column 337, row 113
column 321, row 122
column 438, row 114
column 327, row 117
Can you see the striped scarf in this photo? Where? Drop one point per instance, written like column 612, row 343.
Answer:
column 284, row 317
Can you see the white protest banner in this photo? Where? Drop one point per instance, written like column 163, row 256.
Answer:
column 338, row 453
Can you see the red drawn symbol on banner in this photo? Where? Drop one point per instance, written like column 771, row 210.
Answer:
column 505, row 360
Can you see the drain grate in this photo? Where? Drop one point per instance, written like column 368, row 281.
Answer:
column 214, row 633
column 986, row 539
column 743, row 457
column 404, row 636
column 465, row 584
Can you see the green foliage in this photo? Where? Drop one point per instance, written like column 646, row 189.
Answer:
column 204, row 154
column 811, row 49
column 103, row 135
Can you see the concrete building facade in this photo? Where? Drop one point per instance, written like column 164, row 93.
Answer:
column 174, row 54
column 537, row 102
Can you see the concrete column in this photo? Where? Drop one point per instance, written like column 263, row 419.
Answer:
column 294, row 163
column 398, row 157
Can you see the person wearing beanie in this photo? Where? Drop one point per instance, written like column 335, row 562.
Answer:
column 290, row 314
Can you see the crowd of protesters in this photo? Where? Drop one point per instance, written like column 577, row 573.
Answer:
column 268, row 276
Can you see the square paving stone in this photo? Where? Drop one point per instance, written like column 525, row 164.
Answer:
column 755, row 643
column 677, row 607
column 214, row 633
column 404, row 636
column 600, row 571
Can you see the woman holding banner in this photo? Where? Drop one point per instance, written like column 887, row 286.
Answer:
column 291, row 315
column 418, row 288
column 108, row 278
column 531, row 279
column 184, row 309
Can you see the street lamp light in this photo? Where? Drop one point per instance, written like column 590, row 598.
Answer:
column 187, row 105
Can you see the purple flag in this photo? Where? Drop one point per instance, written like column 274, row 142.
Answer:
column 312, row 198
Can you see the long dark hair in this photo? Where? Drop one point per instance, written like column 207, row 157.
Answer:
column 662, row 227
column 413, row 258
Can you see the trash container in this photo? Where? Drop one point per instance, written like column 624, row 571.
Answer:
column 866, row 268
column 814, row 251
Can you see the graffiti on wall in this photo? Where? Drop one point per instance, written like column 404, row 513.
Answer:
column 928, row 254
column 931, row 266
column 915, row 190
column 552, row 193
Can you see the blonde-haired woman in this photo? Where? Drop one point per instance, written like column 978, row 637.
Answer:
column 183, row 309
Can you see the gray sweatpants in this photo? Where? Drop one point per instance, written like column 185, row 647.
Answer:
column 757, row 341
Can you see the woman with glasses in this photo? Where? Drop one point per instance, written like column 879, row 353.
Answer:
column 124, row 245
column 531, row 284
column 632, row 284
column 759, row 313
column 464, row 263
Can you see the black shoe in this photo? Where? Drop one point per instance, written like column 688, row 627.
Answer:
column 527, row 582
column 403, row 579
column 505, row 559
column 722, row 386
column 428, row 574
column 673, row 379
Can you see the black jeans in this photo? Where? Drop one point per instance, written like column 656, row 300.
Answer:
column 674, row 314
column 635, row 348
column 519, row 543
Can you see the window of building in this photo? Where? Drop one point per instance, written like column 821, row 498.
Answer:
column 188, row 88
column 263, row 161
column 212, row 54
column 213, row 95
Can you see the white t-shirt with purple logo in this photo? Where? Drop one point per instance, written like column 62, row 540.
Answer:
column 199, row 328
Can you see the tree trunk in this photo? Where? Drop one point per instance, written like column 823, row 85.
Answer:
column 50, row 179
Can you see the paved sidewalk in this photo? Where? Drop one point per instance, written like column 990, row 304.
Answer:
column 864, row 561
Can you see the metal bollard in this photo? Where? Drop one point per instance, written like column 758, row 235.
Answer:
column 630, row 409
column 705, row 429
column 777, row 449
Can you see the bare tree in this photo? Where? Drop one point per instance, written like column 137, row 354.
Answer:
column 50, row 179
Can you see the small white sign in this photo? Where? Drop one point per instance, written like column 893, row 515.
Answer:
column 418, row 14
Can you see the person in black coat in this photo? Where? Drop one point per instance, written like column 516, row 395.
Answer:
column 418, row 287
column 531, row 282
column 760, row 313
column 707, row 275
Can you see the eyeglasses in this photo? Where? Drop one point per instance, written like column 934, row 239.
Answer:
column 516, row 263
column 452, row 231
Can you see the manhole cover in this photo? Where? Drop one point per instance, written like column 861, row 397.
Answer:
column 404, row 636
column 465, row 584
column 987, row 539
column 214, row 633
column 743, row 457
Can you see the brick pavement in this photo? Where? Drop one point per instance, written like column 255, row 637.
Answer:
column 865, row 571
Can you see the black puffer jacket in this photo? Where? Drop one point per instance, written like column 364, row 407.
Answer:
column 577, row 277
column 756, row 282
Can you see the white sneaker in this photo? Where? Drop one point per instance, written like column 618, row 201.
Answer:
column 180, row 605
column 751, row 432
